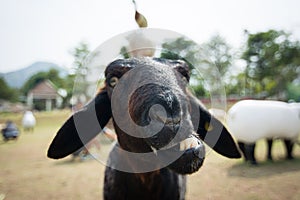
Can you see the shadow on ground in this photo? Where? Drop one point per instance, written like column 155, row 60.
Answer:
column 264, row 168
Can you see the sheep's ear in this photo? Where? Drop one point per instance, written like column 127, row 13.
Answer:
column 81, row 127
column 212, row 131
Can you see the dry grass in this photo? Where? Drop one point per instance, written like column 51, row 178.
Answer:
column 26, row 173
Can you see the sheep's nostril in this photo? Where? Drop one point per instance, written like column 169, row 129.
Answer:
column 173, row 123
column 200, row 151
column 169, row 121
column 160, row 116
column 176, row 120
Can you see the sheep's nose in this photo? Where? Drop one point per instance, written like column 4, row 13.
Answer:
column 170, row 121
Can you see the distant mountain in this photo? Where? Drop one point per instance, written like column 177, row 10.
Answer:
column 17, row 78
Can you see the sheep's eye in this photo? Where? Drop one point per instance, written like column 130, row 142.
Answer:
column 184, row 79
column 113, row 81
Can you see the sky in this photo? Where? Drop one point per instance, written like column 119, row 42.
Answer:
column 47, row 30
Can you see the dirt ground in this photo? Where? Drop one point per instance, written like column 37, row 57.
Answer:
column 26, row 173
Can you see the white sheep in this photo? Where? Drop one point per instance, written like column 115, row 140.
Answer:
column 251, row 120
column 28, row 121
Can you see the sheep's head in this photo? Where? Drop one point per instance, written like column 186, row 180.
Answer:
column 152, row 112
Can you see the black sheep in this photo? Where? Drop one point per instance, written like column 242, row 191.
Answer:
column 156, row 119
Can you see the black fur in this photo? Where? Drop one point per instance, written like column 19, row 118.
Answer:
column 181, row 117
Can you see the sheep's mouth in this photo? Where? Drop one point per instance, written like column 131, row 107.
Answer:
column 190, row 155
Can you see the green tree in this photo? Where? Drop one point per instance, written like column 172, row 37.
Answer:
column 180, row 48
column 217, row 57
column 213, row 59
column 6, row 92
column 80, row 54
column 294, row 91
column 236, row 85
column 273, row 60
column 218, row 53
column 124, row 52
column 187, row 50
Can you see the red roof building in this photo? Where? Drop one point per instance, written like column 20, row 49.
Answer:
column 43, row 96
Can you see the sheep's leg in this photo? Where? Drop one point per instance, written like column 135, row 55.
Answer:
column 270, row 144
column 289, row 147
column 250, row 149
column 242, row 148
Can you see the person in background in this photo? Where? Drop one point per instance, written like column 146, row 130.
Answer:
column 10, row 131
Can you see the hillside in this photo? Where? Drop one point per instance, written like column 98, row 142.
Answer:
column 17, row 78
